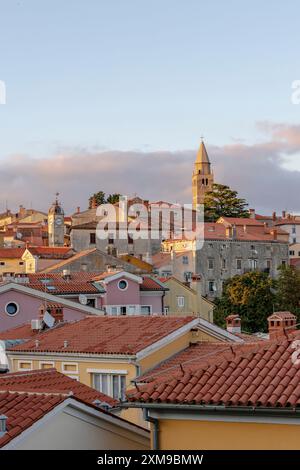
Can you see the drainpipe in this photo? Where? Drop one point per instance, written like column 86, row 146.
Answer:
column 154, row 421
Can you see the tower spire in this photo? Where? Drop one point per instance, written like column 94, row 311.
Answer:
column 203, row 178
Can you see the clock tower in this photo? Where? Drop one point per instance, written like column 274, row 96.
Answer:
column 56, row 226
column 203, row 178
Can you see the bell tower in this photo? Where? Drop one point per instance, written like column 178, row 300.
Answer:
column 56, row 227
column 203, row 178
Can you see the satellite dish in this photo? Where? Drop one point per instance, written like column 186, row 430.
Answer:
column 83, row 299
column 19, row 235
column 48, row 319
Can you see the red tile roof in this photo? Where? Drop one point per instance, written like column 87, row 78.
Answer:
column 24, row 409
column 151, row 284
column 11, row 252
column 18, row 332
column 106, row 335
column 263, row 376
column 77, row 283
column 49, row 252
column 51, row 381
column 240, row 221
column 193, row 356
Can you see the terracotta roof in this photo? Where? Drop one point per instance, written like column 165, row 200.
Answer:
column 264, row 376
column 24, row 409
column 106, row 335
column 282, row 316
column 49, row 252
column 77, row 282
column 217, row 231
column 65, row 262
column 151, row 284
column 194, row 356
column 18, row 332
column 51, row 381
column 11, row 252
column 240, row 221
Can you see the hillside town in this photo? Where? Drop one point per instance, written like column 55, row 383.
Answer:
column 129, row 342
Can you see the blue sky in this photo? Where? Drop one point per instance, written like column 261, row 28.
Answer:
column 144, row 75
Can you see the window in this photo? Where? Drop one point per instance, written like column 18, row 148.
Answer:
column 122, row 285
column 239, row 264
column 210, row 263
column 223, row 263
column 292, row 253
column 294, row 240
column 185, row 260
column 70, row 367
column 283, row 262
column 187, row 276
column 212, row 287
column 294, row 229
column 46, row 365
column 11, row 308
column 166, row 273
column 113, row 385
column 2, row 263
column 21, row 263
column 110, row 239
column 180, row 301
column 166, row 310
column 92, row 238
column 24, row 365
column 252, row 264
column 146, row 309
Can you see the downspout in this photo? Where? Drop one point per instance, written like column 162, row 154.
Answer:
column 163, row 303
column 153, row 421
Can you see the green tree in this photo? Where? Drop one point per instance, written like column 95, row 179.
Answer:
column 113, row 198
column 250, row 295
column 97, row 199
column 223, row 201
column 288, row 290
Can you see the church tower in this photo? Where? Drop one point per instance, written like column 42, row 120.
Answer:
column 56, row 227
column 203, row 177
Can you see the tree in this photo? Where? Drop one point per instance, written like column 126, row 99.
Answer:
column 113, row 198
column 222, row 201
column 251, row 296
column 288, row 290
column 97, row 199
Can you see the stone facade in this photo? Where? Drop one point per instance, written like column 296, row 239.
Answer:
column 220, row 260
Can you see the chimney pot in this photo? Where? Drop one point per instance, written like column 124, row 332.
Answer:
column 233, row 324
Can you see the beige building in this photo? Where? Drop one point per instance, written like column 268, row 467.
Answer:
column 183, row 299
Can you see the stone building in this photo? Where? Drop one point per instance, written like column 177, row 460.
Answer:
column 203, row 178
column 56, row 227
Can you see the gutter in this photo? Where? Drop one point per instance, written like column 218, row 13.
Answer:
column 221, row 409
column 154, row 421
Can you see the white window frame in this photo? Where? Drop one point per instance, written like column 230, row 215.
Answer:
column 180, row 301
column 12, row 314
column 150, row 306
column 48, row 363
column 72, row 372
column 110, row 384
column 22, row 361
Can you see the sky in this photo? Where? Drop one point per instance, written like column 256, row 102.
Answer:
column 115, row 95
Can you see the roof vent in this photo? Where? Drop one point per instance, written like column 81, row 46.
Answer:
column 37, row 343
column 65, row 344
column 3, row 420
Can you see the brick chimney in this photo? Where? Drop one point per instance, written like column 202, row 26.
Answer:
column 281, row 323
column 252, row 213
column 274, row 217
column 233, row 324
column 283, row 214
column 55, row 310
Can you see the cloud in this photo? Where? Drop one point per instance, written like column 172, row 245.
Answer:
column 257, row 171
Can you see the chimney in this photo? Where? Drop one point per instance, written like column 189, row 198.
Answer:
column 281, row 324
column 252, row 213
column 274, row 216
column 66, row 274
column 274, row 233
column 196, row 283
column 283, row 214
column 233, row 324
column 93, row 203
column 3, row 421
column 22, row 211
column 54, row 309
column 78, row 209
